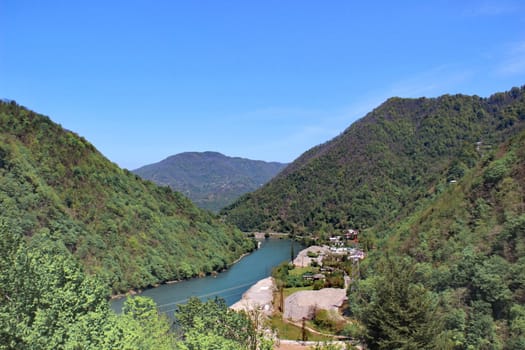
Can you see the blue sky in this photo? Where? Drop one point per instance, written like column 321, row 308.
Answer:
column 267, row 80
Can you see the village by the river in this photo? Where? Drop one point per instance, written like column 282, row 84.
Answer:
column 249, row 286
column 301, row 306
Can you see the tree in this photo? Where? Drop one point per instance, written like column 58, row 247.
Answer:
column 46, row 301
column 143, row 327
column 199, row 337
column 213, row 319
column 397, row 313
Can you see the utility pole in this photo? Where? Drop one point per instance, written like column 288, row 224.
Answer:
column 304, row 337
column 281, row 299
column 355, row 273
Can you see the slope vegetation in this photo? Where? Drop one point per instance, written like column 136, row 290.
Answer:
column 210, row 179
column 383, row 166
column 464, row 254
column 55, row 185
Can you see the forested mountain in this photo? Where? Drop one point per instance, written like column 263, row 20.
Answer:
column 54, row 185
column 383, row 165
column 451, row 274
column 210, row 179
column 437, row 187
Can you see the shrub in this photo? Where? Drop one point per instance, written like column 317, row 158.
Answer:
column 318, row 285
column 326, row 319
column 311, row 254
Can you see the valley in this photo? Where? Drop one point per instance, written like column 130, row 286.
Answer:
column 429, row 190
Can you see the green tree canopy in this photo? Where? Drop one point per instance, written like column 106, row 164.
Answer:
column 397, row 313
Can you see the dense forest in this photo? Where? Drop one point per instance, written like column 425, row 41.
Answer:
column 48, row 302
column 451, row 274
column 383, row 165
column 131, row 233
column 210, row 179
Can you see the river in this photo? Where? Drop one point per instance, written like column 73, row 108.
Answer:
column 229, row 285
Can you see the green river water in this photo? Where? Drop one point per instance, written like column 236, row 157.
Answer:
column 229, row 285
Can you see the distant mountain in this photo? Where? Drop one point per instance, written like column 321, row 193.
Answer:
column 382, row 165
column 210, row 179
column 55, row 186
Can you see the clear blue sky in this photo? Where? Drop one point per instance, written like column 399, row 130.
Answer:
column 267, row 80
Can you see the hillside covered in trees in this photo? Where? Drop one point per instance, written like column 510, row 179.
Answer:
column 54, row 185
column 210, row 179
column 48, row 302
column 437, row 187
column 451, row 274
column 383, row 165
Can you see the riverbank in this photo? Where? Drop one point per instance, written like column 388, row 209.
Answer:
column 298, row 306
column 263, row 235
column 229, row 284
column 257, row 297
column 133, row 292
column 235, row 262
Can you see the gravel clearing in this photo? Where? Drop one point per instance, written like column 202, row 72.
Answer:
column 259, row 296
column 302, row 259
column 308, row 345
column 304, row 303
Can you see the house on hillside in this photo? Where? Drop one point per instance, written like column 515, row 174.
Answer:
column 351, row 234
column 336, row 241
column 338, row 250
column 314, row 277
column 328, row 269
column 356, row 255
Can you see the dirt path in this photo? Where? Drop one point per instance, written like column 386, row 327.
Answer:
column 311, row 330
column 300, row 345
column 292, row 345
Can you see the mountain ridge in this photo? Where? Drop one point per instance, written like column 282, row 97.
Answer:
column 210, row 179
column 380, row 164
